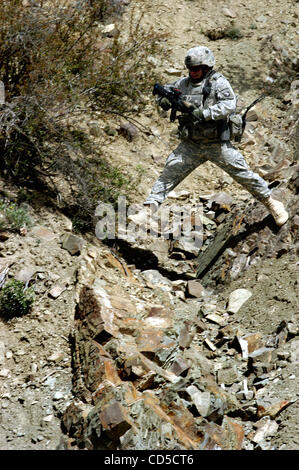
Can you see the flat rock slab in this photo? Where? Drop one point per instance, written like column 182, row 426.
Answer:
column 43, row 233
column 237, row 298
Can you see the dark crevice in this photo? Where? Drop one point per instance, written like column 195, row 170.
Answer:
column 143, row 259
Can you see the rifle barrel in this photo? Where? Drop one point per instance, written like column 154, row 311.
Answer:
column 260, row 98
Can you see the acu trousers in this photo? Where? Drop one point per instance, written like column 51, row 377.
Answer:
column 189, row 155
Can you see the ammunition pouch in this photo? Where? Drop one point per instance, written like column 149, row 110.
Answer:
column 185, row 125
column 223, row 130
column 199, row 131
column 236, row 126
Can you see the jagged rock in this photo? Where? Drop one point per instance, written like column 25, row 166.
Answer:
column 152, row 340
column 252, row 115
column 238, row 266
column 186, row 334
column 206, row 258
column 190, row 244
column 72, row 243
column 179, row 366
column 195, row 289
column 110, row 31
column 56, row 291
column 250, row 343
column 267, row 428
column 215, row 318
column 262, row 355
column 202, row 400
column 228, row 12
column 271, row 410
column 292, row 328
column 209, row 344
column 128, row 130
column 251, row 227
column 228, row 436
column 221, row 403
column 56, row 357
column 221, row 200
column 114, row 420
column 152, row 366
column 236, row 299
column 160, row 248
column 181, row 423
column 74, row 419
column 179, row 288
column 159, row 317
column 245, row 393
column 174, row 71
column 227, row 376
column 155, row 279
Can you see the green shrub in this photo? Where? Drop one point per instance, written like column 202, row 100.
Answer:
column 55, row 66
column 233, row 33
column 15, row 301
column 58, row 70
column 13, row 216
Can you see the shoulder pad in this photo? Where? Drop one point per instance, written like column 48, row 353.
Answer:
column 216, row 75
column 223, row 87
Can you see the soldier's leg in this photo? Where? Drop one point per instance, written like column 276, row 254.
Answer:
column 233, row 162
column 180, row 163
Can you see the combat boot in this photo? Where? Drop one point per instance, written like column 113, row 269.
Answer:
column 277, row 210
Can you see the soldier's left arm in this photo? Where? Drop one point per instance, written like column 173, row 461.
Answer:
column 226, row 101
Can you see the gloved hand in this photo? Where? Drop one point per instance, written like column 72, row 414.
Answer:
column 165, row 104
column 184, row 106
column 198, row 114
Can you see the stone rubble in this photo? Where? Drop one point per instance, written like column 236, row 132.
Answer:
column 158, row 361
column 141, row 368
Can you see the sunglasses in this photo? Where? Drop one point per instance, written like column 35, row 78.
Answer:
column 197, row 68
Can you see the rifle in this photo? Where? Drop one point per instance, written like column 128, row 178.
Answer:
column 245, row 111
column 174, row 97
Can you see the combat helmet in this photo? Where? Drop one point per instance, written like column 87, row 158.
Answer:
column 199, row 55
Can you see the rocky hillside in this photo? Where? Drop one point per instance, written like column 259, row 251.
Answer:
column 156, row 343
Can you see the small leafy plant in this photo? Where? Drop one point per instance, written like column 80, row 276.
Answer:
column 233, row 33
column 14, row 216
column 15, row 300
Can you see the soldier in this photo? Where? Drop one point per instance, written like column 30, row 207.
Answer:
column 205, row 135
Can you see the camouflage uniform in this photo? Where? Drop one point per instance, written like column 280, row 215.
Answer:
column 202, row 140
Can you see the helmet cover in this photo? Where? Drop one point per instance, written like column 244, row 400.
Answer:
column 199, row 55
